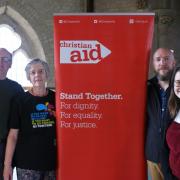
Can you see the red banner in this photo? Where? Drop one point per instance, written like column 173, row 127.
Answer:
column 101, row 65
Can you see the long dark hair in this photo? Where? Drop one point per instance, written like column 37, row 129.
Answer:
column 174, row 101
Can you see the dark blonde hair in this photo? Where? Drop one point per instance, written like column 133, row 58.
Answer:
column 174, row 101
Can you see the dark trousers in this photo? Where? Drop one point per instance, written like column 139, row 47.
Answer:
column 26, row 174
column 2, row 154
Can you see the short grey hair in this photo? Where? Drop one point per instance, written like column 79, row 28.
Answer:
column 5, row 50
column 37, row 61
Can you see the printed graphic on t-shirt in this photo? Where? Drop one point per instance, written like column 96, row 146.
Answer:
column 43, row 117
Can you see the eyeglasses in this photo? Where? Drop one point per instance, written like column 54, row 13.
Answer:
column 5, row 59
column 177, row 83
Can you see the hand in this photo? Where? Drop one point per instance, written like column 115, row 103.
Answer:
column 8, row 172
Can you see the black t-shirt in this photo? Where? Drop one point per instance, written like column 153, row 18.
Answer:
column 35, row 118
column 8, row 90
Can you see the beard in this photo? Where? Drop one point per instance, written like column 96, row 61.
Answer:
column 164, row 77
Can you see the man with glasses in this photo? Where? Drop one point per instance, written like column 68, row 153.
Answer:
column 8, row 90
column 158, row 116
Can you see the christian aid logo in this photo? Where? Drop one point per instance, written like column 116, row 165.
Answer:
column 82, row 52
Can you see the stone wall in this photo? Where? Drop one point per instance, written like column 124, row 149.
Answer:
column 33, row 20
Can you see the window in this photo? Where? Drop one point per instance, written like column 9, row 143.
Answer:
column 10, row 40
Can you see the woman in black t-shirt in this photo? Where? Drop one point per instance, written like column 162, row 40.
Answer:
column 31, row 138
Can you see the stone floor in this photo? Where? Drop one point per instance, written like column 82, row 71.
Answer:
column 14, row 174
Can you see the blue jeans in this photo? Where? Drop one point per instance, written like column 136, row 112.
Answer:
column 26, row 174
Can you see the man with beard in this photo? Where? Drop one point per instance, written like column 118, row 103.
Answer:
column 158, row 117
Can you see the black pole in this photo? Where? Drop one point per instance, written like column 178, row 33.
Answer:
column 90, row 6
